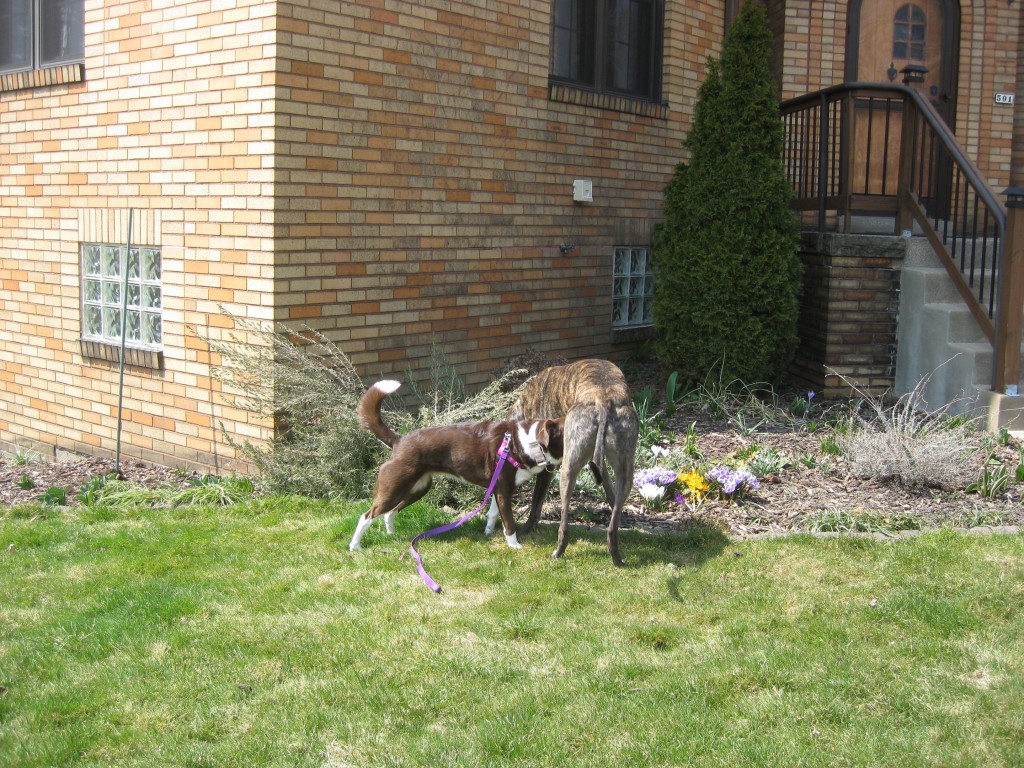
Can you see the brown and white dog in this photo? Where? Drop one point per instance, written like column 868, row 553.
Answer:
column 600, row 425
column 468, row 452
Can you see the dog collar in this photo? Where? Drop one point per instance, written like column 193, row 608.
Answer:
column 536, row 453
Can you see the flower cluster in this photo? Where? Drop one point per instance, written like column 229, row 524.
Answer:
column 692, row 488
column 733, row 481
column 652, row 482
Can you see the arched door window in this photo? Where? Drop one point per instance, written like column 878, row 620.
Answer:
column 909, row 32
column 885, row 35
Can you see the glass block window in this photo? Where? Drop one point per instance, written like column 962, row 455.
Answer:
column 632, row 288
column 122, row 288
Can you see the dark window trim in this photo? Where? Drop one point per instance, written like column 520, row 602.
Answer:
column 732, row 10
column 38, row 41
column 595, row 78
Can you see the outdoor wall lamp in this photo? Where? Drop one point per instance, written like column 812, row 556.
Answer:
column 913, row 73
column 1014, row 197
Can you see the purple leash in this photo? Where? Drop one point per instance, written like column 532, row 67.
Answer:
column 502, row 456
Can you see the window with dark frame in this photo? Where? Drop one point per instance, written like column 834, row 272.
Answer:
column 611, row 46
column 909, row 33
column 36, row 34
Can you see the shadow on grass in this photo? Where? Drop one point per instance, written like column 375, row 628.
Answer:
column 689, row 548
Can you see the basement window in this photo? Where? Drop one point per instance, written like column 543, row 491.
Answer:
column 632, row 288
column 121, row 288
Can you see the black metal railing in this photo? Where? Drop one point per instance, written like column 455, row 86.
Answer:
column 871, row 149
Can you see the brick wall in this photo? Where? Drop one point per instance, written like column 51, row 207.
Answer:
column 395, row 177
column 847, row 322
column 173, row 118
column 813, row 36
column 426, row 180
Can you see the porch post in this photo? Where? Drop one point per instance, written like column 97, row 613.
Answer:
column 1010, row 314
column 905, row 180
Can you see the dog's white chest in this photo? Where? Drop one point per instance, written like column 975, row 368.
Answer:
column 525, row 473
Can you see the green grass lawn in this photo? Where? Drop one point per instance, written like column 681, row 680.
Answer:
column 251, row 636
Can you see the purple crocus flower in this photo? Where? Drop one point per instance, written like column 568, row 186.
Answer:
column 654, row 476
column 733, row 480
column 652, row 482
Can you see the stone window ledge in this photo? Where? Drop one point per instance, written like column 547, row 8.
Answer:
column 568, row 94
column 38, row 78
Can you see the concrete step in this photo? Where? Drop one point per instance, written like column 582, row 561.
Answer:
column 954, row 320
column 979, row 354
column 998, row 411
column 862, row 224
column 936, row 285
column 942, row 342
column 982, row 355
column 921, row 254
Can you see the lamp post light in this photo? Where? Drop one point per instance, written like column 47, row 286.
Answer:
column 913, row 74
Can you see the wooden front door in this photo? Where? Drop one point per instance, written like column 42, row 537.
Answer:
column 884, row 37
column 887, row 35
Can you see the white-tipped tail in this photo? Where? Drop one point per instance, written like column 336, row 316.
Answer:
column 369, row 411
column 387, row 386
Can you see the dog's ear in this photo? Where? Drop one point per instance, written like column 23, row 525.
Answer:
column 544, row 431
column 549, row 434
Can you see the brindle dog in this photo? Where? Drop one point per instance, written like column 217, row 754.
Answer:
column 600, row 426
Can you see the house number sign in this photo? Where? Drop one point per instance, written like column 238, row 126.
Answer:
column 1004, row 98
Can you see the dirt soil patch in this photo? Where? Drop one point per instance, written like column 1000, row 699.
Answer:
column 24, row 483
column 812, row 492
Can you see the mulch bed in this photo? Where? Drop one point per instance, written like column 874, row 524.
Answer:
column 800, row 497
column 73, row 473
column 795, row 500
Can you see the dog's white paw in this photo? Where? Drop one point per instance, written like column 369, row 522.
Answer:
column 354, row 546
column 492, row 518
column 513, row 541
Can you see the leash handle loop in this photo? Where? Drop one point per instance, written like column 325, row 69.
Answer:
column 503, row 454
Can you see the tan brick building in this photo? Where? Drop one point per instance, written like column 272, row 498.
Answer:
column 971, row 48
column 389, row 173
column 393, row 174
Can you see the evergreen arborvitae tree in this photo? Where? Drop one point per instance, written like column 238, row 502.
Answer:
column 728, row 278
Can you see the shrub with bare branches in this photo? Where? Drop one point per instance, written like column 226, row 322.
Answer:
column 309, row 389
column 905, row 443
